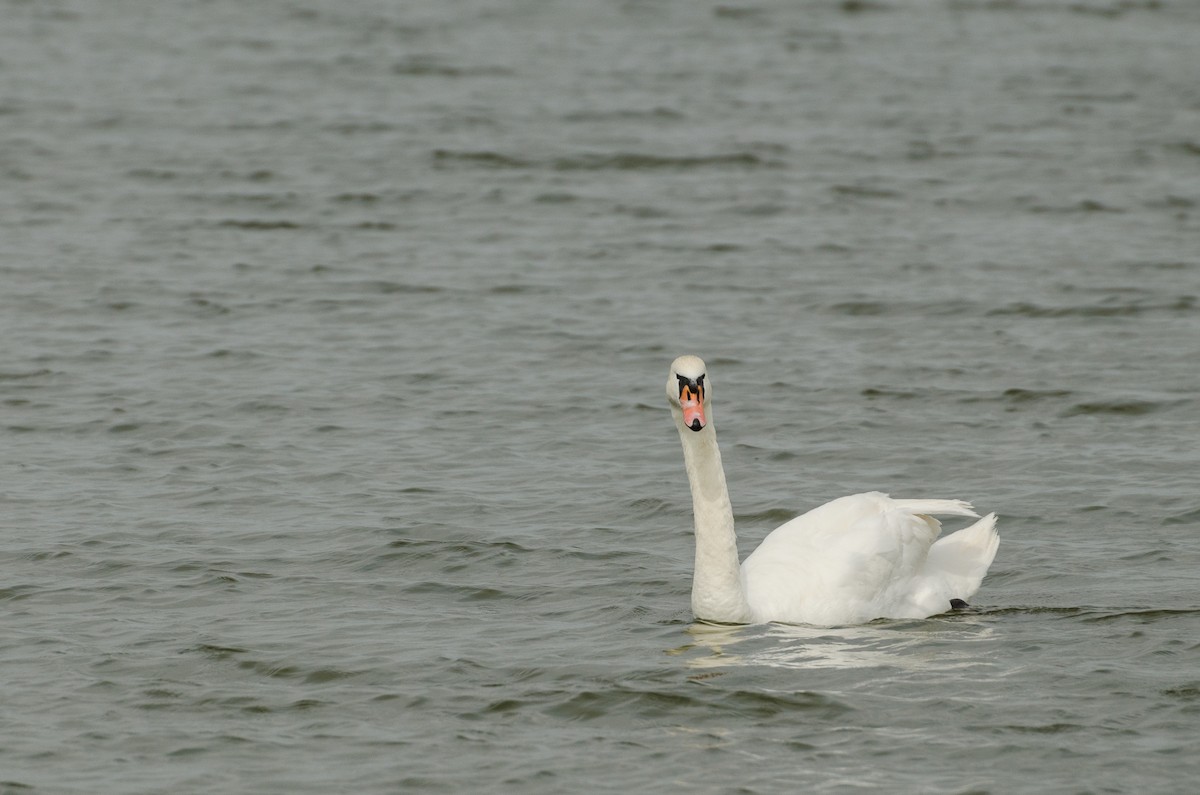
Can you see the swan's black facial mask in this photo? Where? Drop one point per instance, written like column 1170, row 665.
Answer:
column 695, row 386
column 691, row 400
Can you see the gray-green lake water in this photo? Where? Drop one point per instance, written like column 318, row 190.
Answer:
column 335, row 450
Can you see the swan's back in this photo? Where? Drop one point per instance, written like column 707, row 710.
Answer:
column 867, row 556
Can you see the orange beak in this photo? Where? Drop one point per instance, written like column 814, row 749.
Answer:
column 691, row 400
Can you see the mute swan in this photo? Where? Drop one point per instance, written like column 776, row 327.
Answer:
column 848, row 561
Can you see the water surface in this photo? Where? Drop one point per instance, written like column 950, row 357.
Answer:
column 336, row 455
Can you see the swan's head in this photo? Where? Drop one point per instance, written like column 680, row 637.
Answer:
column 687, row 391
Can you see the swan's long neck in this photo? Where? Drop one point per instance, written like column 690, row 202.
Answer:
column 717, row 593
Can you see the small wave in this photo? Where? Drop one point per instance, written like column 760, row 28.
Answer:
column 1018, row 395
column 738, row 12
column 1161, row 265
column 360, row 128
column 485, row 548
column 1148, row 556
column 1112, row 11
column 124, row 427
column 1129, row 408
column 871, row 308
column 1094, row 615
column 647, row 507
column 618, row 161
column 1187, row 517
column 427, row 66
column 384, row 287
column 519, row 289
column 1084, row 206
column 21, row 376
column 16, row 593
column 652, row 114
column 877, row 392
column 1024, row 309
column 642, row 211
column 1058, row 612
column 556, row 197
column 247, row 704
column 258, row 225
column 358, row 198
column 267, row 200
column 585, row 554
column 628, row 161
column 623, row 701
column 217, row 652
column 485, row 158
column 1186, row 147
column 1141, row 616
column 271, row 668
column 1185, row 692
column 473, row 593
column 864, row 192
column 1046, row 728
column 1122, row 96
column 863, row 6
column 414, row 548
column 860, row 308
column 258, row 175
column 155, row 174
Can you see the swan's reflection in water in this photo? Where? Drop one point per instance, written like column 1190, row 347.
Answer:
column 930, row 644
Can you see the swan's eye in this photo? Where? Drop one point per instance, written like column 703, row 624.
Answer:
column 689, row 389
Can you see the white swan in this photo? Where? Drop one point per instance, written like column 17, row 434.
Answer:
column 849, row 561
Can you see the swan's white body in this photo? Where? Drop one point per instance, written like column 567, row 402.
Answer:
column 849, row 561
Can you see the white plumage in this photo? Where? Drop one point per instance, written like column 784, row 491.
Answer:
column 849, row 561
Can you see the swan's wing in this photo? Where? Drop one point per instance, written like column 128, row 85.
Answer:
column 850, row 560
column 938, row 507
column 867, row 556
column 959, row 561
column 871, row 523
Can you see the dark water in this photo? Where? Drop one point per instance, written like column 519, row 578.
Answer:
column 335, row 450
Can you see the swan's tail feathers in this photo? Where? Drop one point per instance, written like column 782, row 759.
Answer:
column 938, row 507
column 961, row 559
